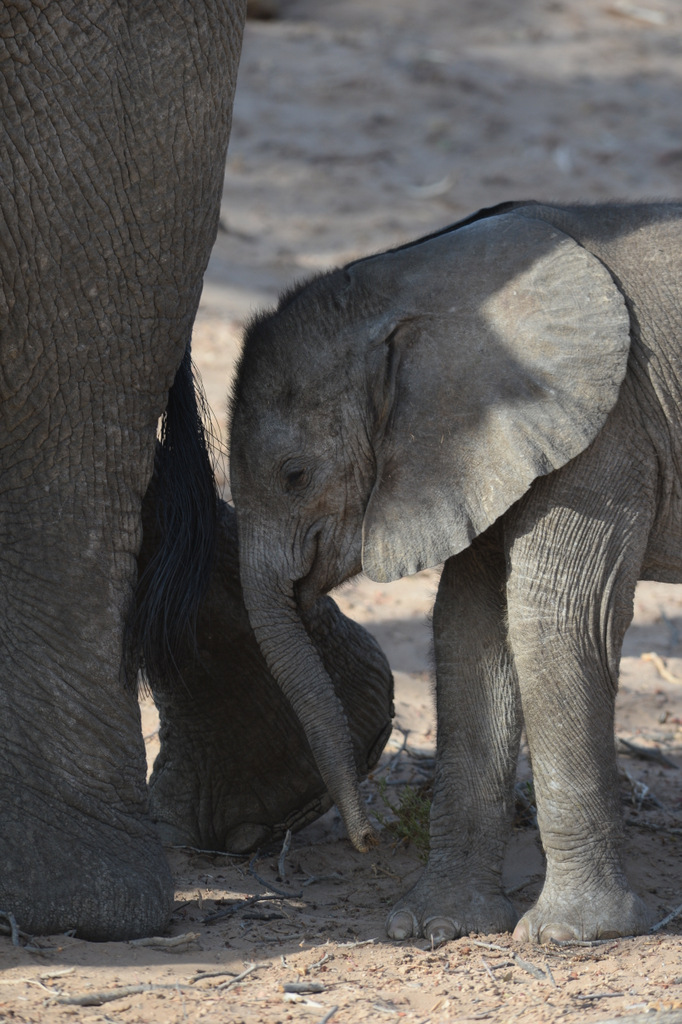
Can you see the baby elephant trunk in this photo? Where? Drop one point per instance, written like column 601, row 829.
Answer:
column 297, row 667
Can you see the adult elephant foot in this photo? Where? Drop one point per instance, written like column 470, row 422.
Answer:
column 76, row 846
column 440, row 910
column 235, row 770
column 604, row 915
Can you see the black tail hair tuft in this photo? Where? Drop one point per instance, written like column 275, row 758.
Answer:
column 170, row 588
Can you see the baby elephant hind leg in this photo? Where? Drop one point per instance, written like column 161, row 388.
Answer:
column 570, row 593
column 478, row 736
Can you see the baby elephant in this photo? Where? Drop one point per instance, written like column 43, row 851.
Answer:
column 503, row 396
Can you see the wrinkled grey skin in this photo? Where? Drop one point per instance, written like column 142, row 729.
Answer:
column 116, row 119
column 235, row 770
column 505, row 397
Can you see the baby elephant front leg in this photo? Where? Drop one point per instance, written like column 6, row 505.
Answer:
column 570, row 594
column 478, row 735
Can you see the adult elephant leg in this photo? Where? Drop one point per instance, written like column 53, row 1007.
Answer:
column 478, row 738
column 578, row 542
column 235, row 770
column 115, row 125
column 76, row 846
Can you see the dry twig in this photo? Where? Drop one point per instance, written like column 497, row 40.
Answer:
column 550, row 975
column 396, row 757
column 39, row 984
column 491, row 945
column 313, row 879
column 208, row 974
column 240, row 977
column 535, row 972
column 318, row 963
column 281, row 863
column 600, row 995
column 209, row 853
column 294, row 997
column 646, row 753
column 175, row 942
column 666, row 920
column 588, row 942
column 661, row 667
column 652, row 826
column 108, row 996
column 488, row 969
column 234, row 908
column 269, row 885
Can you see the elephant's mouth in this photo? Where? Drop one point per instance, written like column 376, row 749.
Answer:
column 312, row 587
column 308, row 587
column 323, row 574
column 307, row 591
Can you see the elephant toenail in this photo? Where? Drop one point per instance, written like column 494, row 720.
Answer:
column 401, row 925
column 522, row 931
column 439, row 930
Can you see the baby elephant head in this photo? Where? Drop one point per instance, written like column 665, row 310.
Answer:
column 388, row 412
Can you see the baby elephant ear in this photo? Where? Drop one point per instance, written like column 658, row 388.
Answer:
column 513, row 345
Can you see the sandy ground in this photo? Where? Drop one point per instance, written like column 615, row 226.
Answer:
column 359, row 125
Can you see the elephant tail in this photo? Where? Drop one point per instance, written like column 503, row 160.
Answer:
column 180, row 526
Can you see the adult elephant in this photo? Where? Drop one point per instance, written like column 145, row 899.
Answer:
column 116, row 118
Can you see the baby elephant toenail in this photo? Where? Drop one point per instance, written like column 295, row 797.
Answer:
column 439, row 930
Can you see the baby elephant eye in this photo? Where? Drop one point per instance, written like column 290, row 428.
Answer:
column 295, row 479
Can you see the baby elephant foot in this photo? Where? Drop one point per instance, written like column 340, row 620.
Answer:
column 440, row 912
column 584, row 918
